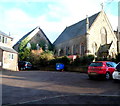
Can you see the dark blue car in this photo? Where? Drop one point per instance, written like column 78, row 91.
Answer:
column 23, row 65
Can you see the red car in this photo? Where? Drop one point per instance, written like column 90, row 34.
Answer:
column 102, row 69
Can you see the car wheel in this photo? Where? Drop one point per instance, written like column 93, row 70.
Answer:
column 21, row 68
column 90, row 77
column 107, row 76
column 115, row 80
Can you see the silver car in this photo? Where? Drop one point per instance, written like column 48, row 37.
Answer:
column 116, row 73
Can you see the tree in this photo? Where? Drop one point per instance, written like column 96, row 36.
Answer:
column 25, row 54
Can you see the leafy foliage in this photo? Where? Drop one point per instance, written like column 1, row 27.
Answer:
column 64, row 59
column 84, row 60
column 24, row 55
column 118, row 58
column 41, row 59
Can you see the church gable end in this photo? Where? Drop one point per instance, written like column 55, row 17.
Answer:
column 33, row 40
column 102, row 34
column 88, row 37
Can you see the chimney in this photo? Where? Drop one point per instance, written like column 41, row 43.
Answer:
column 87, row 23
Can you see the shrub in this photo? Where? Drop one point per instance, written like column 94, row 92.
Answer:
column 41, row 59
column 84, row 60
column 24, row 55
column 65, row 60
column 118, row 58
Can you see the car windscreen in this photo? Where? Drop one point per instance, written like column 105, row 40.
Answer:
column 97, row 64
column 118, row 67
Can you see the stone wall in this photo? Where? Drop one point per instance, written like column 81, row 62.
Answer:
column 93, row 39
column 95, row 34
column 73, row 44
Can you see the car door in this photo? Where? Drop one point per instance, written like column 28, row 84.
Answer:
column 111, row 67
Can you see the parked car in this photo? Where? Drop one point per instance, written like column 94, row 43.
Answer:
column 116, row 73
column 102, row 69
column 23, row 65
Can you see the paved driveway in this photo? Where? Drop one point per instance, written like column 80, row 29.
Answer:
column 38, row 86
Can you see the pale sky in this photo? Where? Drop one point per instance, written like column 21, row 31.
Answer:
column 21, row 16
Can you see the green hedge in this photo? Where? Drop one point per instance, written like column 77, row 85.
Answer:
column 84, row 60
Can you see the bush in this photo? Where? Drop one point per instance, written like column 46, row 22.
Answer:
column 65, row 60
column 24, row 55
column 41, row 59
column 84, row 60
column 118, row 58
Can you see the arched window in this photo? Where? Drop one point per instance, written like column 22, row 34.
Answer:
column 29, row 45
column 94, row 46
column 82, row 50
column 103, row 33
column 74, row 49
column 61, row 52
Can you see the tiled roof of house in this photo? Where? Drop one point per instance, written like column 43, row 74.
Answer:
column 2, row 33
column 8, row 49
column 75, row 30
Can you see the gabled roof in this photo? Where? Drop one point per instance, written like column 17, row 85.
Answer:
column 30, row 33
column 4, row 34
column 75, row 30
column 105, row 48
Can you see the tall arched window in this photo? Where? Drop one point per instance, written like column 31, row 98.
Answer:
column 82, row 50
column 74, row 50
column 94, row 46
column 103, row 33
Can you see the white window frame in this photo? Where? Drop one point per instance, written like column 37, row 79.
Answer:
column 11, row 56
column 5, row 39
column 0, row 38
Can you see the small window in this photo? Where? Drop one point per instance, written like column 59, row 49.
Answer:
column 3, row 39
column 97, row 64
column 109, row 64
column 11, row 56
column 0, row 38
column 114, row 64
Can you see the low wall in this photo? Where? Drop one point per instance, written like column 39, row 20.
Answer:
column 82, row 69
column 68, row 68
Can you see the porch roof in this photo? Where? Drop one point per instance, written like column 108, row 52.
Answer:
column 105, row 48
column 8, row 49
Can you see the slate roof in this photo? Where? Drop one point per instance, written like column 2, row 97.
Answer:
column 2, row 33
column 75, row 30
column 29, row 34
column 8, row 49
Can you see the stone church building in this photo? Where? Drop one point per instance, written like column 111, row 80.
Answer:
column 35, row 40
column 92, row 36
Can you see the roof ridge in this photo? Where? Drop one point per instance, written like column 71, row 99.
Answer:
column 3, row 33
column 78, row 28
column 85, row 19
column 25, row 36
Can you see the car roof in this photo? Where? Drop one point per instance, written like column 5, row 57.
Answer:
column 101, row 61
